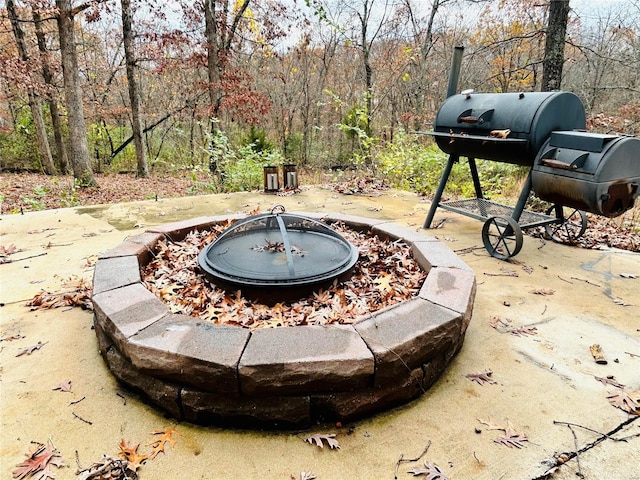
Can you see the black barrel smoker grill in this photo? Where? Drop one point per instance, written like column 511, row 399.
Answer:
column 545, row 131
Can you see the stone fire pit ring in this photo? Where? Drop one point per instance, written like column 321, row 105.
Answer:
column 288, row 377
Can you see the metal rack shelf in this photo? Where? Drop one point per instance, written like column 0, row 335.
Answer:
column 482, row 209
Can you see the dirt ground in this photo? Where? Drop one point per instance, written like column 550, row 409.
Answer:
column 29, row 192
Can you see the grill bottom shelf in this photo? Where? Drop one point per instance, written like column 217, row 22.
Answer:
column 482, row 209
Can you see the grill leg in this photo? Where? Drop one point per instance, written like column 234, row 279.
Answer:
column 453, row 158
column 522, row 199
column 474, row 176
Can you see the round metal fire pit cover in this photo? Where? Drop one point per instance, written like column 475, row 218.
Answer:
column 278, row 249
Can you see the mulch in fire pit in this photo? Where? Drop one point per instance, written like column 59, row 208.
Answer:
column 385, row 274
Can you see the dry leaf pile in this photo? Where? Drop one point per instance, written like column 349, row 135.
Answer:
column 126, row 467
column 77, row 293
column 361, row 186
column 385, row 274
column 39, row 461
column 108, row 468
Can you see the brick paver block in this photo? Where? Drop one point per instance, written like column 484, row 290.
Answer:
column 116, row 272
column 273, row 412
column 163, row 394
column 453, row 288
column 305, row 359
column 186, row 349
column 431, row 254
column 123, row 312
column 393, row 231
column 138, row 245
column 408, row 334
column 353, row 405
column 354, row 221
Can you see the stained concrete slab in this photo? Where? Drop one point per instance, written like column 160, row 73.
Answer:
column 541, row 379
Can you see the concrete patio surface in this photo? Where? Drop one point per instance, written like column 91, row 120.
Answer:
column 541, row 378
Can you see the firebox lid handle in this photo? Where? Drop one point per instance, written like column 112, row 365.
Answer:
column 277, row 209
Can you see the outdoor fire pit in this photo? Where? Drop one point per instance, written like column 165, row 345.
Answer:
column 287, row 377
column 277, row 255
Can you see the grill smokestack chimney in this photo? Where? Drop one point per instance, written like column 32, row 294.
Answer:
column 454, row 73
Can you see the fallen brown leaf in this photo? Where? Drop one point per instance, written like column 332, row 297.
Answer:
column 318, row 438
column 524, row 331
column 63, row 386
column 159, row 443
column 130, row 453
column 609, row 381
column 430, row 471
column 629, row 401
column 11, row 338
column 8, row 250
column 511, row 438
column 30, row 349
column 491, row 424
column 495, row 322
column 482, row 377
column 542, row 291
column 38, row 462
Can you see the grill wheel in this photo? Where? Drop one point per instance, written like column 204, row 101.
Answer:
column 570, row 226
column 502, row 237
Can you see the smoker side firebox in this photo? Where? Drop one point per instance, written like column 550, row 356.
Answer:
column 545, row 131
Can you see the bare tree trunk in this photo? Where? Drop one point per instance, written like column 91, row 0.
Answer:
column 80, row 157
column 366, row 43
column 134, row 95
column 219, row 38
column 554, row 45
column 214, row 67
column 46, row 160
column 63, row 159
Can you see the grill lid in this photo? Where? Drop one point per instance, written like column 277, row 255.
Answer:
column 278, row 249
column 609, row 157
column 593, row 172
column 465, row 122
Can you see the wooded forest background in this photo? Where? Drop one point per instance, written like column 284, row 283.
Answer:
column 153, row 86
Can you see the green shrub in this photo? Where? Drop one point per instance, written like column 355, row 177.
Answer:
column 238, row 169
column 18, row 148
column 408, row 164
column 257, row 139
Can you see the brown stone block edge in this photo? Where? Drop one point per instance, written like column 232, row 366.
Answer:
column 290, row 377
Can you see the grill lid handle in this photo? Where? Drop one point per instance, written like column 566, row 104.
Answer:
column 469, row 116
column 550, row 158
